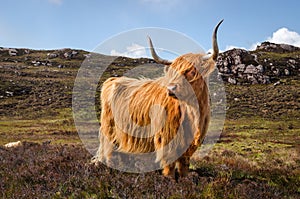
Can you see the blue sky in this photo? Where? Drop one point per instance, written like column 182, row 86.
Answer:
column 53, row 24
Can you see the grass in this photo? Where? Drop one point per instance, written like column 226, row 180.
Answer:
column 278, row 56
column 262, row 151
column 264, row 147
column 57, row 129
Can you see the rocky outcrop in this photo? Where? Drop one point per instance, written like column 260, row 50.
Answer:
column 267, row 64
column 239, row 66
column 277, row 48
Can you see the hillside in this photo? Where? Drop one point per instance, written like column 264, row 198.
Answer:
column 257, row 155
column 31, row 80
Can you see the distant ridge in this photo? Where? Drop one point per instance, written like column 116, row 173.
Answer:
column 268, row 63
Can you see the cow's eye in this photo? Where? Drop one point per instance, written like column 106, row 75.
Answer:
column 190, row 73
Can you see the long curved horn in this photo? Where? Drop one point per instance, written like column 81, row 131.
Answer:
column 155, row 56
column 215, row 54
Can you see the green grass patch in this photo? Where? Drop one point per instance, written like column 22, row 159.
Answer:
column 58, row 129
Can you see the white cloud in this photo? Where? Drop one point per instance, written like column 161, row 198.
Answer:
column 254, row 46
column 281, row 36
column 56, row 2
column 134, row 51
column 285, row 36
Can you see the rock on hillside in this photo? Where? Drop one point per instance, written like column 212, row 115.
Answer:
column 268, row 63
column 28, row 57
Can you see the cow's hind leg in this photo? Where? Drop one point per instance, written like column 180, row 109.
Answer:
column 104, row 151
column 107, row 150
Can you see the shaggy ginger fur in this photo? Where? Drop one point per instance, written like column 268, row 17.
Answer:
column 139, row 116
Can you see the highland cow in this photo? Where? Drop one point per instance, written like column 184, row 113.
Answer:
column 168, row 115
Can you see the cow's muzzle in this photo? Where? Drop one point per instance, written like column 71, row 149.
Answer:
column 172, row 88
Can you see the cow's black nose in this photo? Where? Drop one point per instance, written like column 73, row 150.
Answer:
column 172, row 87
column 172, row 90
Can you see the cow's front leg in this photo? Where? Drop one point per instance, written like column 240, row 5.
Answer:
column 169, row 170
column 183, row 166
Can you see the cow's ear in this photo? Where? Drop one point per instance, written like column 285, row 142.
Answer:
column 166, row 69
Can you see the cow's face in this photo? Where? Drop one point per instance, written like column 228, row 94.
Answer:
column 182, row 82
column 179, row 86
